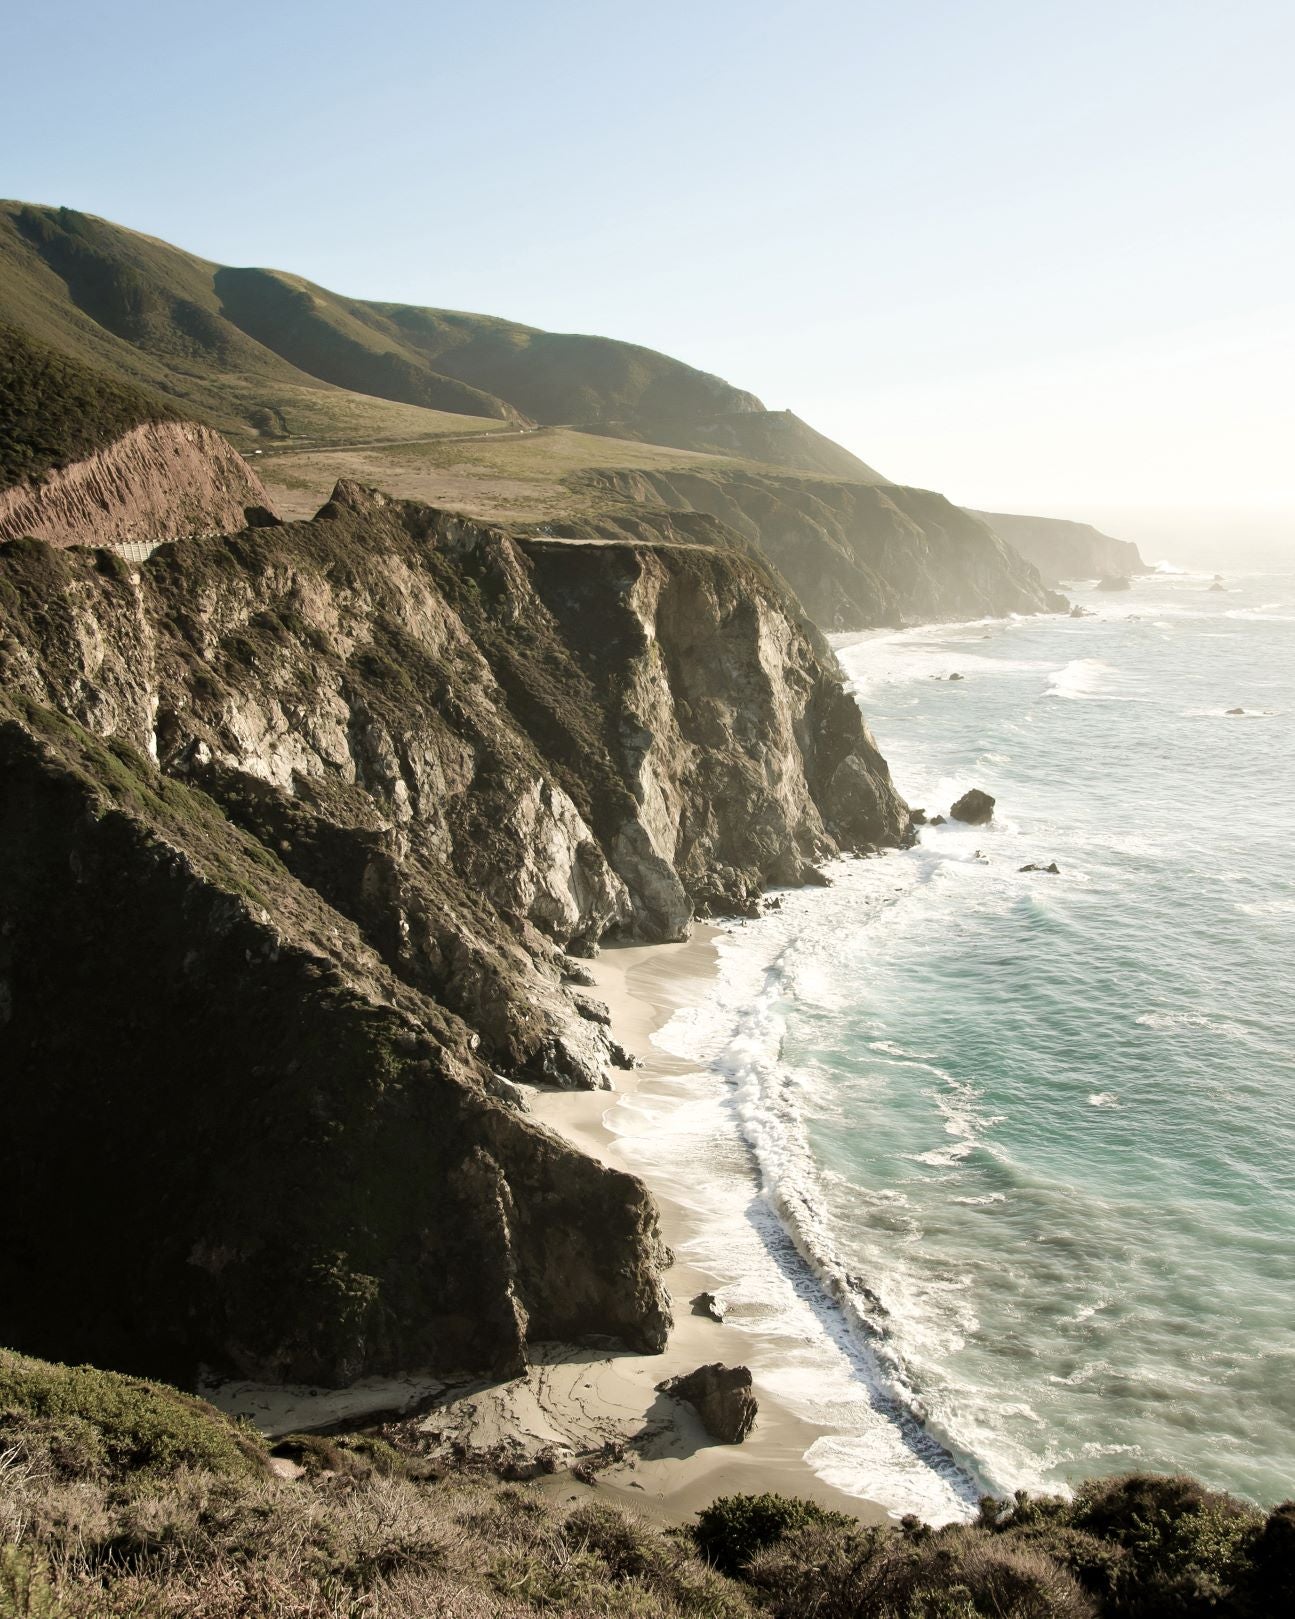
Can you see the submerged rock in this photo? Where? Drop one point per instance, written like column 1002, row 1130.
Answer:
column 974, row 807
column 722, row 1398
column 1053, row 868
column 1115, row 581
column 1236, row 711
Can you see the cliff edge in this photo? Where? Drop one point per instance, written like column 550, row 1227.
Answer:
column 300, row 825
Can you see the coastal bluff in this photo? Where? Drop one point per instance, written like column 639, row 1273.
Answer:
column 306, row 822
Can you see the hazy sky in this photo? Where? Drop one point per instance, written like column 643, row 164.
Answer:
column 1038, row 255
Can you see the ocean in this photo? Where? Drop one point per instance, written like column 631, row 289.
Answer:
column 999, row 1166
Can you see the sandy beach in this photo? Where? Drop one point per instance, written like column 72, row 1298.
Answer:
column 674, row 1468
column 589, row 1404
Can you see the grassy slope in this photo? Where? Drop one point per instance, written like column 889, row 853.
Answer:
column 263, row 354
column 123, row 1497
column 54, row 410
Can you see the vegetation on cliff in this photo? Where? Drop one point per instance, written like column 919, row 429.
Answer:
column 54, row 411
column 124, row 1498
column 309, row 815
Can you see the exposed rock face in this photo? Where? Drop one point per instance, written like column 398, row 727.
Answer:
column 303, row 822
column 1060, row 549
column 722, row 1398
column 157, row 482
column 857, row 555
column 975, row 808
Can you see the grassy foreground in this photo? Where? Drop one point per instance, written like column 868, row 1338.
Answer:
column 121, row 1497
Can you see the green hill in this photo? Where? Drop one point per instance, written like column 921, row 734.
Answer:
column 265, row 355
column 54, row 410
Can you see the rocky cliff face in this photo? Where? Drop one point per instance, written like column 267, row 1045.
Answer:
column 297, row 827
column 157, row 482
column 1060, row 549
column 856, row 555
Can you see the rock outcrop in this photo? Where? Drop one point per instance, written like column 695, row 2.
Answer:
column 304, row 823
column 1060, row 549
column 721, row 1396
column 974, row 808
column 159, row 481
column 857, row 555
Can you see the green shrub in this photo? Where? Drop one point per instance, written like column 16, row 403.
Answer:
column 83, row 1422
column 1187, row 1549
column 25, row 1591
column 732, row 1529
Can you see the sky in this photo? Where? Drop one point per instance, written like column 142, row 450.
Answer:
column 1036, row 255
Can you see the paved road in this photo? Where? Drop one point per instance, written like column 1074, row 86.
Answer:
column 252, row 456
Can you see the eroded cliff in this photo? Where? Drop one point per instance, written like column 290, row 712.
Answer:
column 301, row 822
column 159, row 481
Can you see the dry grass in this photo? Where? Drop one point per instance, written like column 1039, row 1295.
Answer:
column 201, row 1546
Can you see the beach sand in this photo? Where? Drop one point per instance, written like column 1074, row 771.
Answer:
column 678, row 1469
column 650, row 1452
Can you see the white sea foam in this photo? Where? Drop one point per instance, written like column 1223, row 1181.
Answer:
column 1079, row 679
column 1103, row 1099
column 1171, row 1021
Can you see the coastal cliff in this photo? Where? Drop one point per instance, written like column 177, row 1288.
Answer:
column 1060, row 549
column 857, row 555
column 159, row 481
column 304, row 821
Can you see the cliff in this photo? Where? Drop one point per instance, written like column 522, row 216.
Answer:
column 1060, row 549
column 300, row 824
column 857, row 555
column 158, row 481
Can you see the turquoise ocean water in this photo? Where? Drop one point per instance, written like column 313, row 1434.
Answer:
column 998, row 1168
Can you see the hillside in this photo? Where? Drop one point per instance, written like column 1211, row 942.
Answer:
column 856, row 555
column 336, row 798
column 1061, row 550
column 265, row 355
column 54, row 410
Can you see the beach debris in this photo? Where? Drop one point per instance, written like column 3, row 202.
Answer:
column 722, row 1398
column 1053, row 868
column 974, row 807
column 708, row 1305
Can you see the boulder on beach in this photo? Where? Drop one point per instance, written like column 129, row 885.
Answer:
column 708, row 1305
column 722, row 1398
column 974, row 807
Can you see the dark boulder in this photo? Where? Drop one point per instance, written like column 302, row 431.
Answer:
column 708, row 1305
column 1054, row 869
column 1236, row 711
column 938, row 820
column 917, row 817
column 974, row 807
column 722, row 1398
